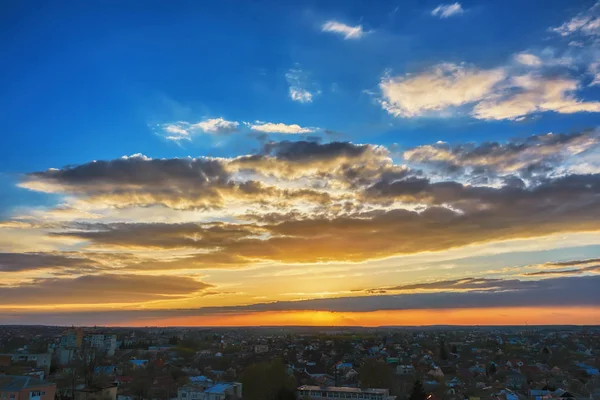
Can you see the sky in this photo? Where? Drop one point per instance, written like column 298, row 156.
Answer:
column 300, row 163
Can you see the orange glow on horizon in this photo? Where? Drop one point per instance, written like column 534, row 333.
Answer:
column 460, row 316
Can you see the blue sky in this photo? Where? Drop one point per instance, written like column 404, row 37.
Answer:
column 422, row 85
column 85, row 81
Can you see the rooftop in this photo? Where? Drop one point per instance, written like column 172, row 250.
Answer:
column 15, row 383
column 342, row 389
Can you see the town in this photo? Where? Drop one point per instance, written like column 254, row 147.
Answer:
column 305, row 363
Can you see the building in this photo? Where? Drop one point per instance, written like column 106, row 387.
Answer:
column 405, row 370
column 72, row 338
column 38, row 360
column 25, row 388
column 261, row 348
column 101, row 341
column 333, row 392
column 220, row 391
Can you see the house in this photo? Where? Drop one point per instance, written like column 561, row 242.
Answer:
column 25, row 388
column 219, row 391
column 139, row 363
column 404, row 370
column 588, row 369
column 261, row 348
column 39, row 360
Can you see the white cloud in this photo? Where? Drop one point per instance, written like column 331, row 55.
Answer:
column 183, row 130
column 216, row 126
column 447, row 10
column 531, row 93
column 349, row 32
column 177, row 131
column 445, row 85
column 586, row 23
column 594, row 70
column 528, row 59
column 270, row 127
column 299, row 85
column 300, row 95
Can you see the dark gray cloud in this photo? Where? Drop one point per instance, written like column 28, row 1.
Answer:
column 573, row 271
column 15, row 262
column 477, row 215
column 533, row 156
column 94, row 289
column 577, row 262
column 481, row 284
column 582, row 291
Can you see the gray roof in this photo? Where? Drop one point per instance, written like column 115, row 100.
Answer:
column 16, row 383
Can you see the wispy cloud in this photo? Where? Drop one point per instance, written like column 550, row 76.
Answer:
column 586, row 23
column 528, row 59
column 270, row 127
column 447, row 10
column 347, row 31
column 183, row 130
column 301, row 89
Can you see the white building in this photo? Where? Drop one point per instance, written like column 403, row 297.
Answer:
column 102, row 341
column 333, row 392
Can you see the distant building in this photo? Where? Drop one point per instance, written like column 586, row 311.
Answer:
column 39, row 360
column 104, row 342
column 333, row 392
column 261, row 348
column 404, row 370
column 25, row 388
column 200, row 391
column 72, row 338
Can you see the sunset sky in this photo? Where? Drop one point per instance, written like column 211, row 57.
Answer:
column 314, row 162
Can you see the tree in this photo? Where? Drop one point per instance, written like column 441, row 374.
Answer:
column 443, row 352
column 267, row 381
column 492, row 369
column 418, row 391
column 454, row 349
column 375, row 374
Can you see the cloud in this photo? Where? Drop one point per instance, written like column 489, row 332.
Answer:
column 454, row 215
column 495, row 94
column 534, row 93
column 95, row 289
column 15, row 262
column 183, row 130
column 301, row 89
column 303, row 201
column 586, row 23
column 528, row 59
column 447, row 10
column 216, row 126
column 300, row 95
column 577, row 271
column 347, row 31
column 537, row 154
column 582, row 290
column 443, row 86
column 270, row 127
